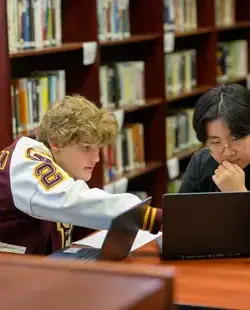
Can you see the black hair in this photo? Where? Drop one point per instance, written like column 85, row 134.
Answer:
column 231, row 103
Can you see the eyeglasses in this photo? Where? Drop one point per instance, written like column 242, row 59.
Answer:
column 235, row 145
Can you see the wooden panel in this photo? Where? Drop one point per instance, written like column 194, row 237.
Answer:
column 195, row 32
column 242, row 10
column 35, row 283
column 149, row 103
column 206, row 60
column 146, row 16
column 131, row 39
column 47, row 50
column 206, row 13
column 200, row 89
column 79, row 21
column 237, row 25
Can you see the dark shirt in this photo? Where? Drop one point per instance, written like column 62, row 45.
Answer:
column 199, row 172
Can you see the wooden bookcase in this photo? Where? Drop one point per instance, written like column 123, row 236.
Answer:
column 79, row 24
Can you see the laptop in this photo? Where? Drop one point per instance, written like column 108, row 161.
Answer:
column 118, row 241
column 205, row 225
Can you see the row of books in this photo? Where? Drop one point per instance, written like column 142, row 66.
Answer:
column 180, row 71
column 33, row 24
column 31, row 98
column 113, row 19
column 126, row 154
column 37, row 23
column 180, row 15
column 224, row 12
column 232, row 60
column 180, row 134
column 122, row 83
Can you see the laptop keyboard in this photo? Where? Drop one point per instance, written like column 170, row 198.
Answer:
column 88, row 254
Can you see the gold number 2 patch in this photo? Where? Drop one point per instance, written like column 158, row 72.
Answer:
column 46, row 172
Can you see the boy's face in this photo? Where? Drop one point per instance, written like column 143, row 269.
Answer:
column 225, row 147
column 77, row 159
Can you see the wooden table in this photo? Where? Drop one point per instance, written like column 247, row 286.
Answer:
column 223, row 283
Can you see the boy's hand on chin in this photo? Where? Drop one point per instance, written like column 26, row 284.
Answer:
column 229, row 177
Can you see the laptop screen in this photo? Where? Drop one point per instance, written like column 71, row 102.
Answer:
column 123, row 231
column 206, row 225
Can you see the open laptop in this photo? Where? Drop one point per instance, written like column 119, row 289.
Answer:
column 118, row 241
column 205, row 225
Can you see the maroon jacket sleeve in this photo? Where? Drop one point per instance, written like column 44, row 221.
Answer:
column 152, row 221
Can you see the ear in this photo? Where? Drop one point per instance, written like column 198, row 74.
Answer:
column 54, row 146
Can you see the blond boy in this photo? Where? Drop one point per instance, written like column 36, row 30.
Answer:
column 43, row 189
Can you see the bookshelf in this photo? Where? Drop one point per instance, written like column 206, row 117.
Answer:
column 145, row 43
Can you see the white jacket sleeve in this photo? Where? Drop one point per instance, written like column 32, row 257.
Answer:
column 41, row 189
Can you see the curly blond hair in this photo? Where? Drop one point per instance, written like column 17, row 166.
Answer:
column 74, row 120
